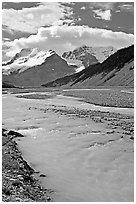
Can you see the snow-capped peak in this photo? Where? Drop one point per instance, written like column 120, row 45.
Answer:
column 100, row 53
column 27, row 58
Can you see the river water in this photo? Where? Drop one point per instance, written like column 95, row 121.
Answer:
column 76, row 154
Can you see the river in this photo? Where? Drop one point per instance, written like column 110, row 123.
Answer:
column 81, row 160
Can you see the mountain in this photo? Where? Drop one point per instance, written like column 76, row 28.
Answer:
column 6, row 85
column 88, row 55
column 31, row 67
column 117, row 70
column 18, row 58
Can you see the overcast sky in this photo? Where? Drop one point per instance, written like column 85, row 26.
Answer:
column 66, row 26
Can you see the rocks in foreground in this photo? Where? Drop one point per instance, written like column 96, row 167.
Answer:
column 18, row 181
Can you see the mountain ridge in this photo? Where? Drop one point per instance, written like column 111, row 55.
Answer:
column 89, row 55
column 102, row 73
column 31, row 68
column 52, row 70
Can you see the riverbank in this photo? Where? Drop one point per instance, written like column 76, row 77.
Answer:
column 86, row 151
column 18, row 181
column 123, row 98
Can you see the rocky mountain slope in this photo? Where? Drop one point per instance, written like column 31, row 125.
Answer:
column 7, row 85
column 31, row 67
column 117, row 70
column 88, row 55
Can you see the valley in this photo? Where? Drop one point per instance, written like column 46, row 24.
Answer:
column 76, row 117
column 85, row 151
column 67, row 101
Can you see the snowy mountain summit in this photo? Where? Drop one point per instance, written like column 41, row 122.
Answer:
column 31, row 67
column 89, row 55
column 25, row 59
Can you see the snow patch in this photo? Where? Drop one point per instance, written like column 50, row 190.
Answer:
column 80, row 69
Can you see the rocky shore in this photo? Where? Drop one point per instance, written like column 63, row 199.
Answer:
column 105, row 97
column 19, row 183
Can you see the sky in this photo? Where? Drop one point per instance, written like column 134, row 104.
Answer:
column 65, row 26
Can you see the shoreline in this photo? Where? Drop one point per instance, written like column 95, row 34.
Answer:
column 18, row 181
column 118, row 130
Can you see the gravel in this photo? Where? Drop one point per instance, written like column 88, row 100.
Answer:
column 18, row 181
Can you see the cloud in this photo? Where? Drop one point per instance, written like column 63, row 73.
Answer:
column 31, row 19
column 65, row 38
column 127, row 7
column 83, row 8
column 102, row 10
column 103, row 5
column 100, row 14
column 6, row 39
